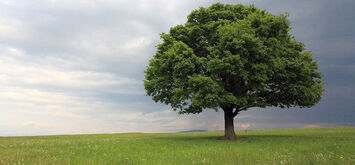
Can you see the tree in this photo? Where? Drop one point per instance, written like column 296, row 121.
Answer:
column 232, row 57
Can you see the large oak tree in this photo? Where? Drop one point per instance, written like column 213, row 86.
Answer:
column 232, row 57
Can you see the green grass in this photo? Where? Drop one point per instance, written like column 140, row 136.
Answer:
column 286, row 146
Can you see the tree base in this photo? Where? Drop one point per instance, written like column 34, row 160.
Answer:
column 229, row 133
column 231, row 137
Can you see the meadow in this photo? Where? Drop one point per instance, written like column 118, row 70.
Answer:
column 284, row 146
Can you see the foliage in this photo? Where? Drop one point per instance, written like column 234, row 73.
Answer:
column 232, row 56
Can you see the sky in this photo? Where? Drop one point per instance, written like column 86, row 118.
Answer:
column 73, row 67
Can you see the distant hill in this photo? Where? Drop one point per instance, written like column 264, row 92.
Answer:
column 195, row 130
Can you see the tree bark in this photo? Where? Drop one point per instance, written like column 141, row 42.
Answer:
column 229, row 133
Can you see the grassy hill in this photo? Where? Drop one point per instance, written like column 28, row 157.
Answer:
column 285, row 146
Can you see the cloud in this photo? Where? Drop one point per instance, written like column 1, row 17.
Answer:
column 146, row 117
column 17, row 71
column 55, row 113
column 37, row 124
column 79, row 65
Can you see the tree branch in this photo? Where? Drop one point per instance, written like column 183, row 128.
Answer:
column 235, row 113
column 245, row 108
column 237, row 110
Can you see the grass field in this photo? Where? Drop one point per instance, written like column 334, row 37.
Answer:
column 286, row 146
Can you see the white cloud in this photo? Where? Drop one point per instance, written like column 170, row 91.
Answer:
column 39, row 124
column 15, row 71
column 136, row 44
column 78, row 65
column 53, row 113
column 11, row 29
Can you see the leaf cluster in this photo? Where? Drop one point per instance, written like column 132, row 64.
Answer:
column 232, row 56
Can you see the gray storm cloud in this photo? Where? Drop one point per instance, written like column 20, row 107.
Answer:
column 77, row 66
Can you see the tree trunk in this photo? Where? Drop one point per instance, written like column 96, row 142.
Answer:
column 229, row 133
